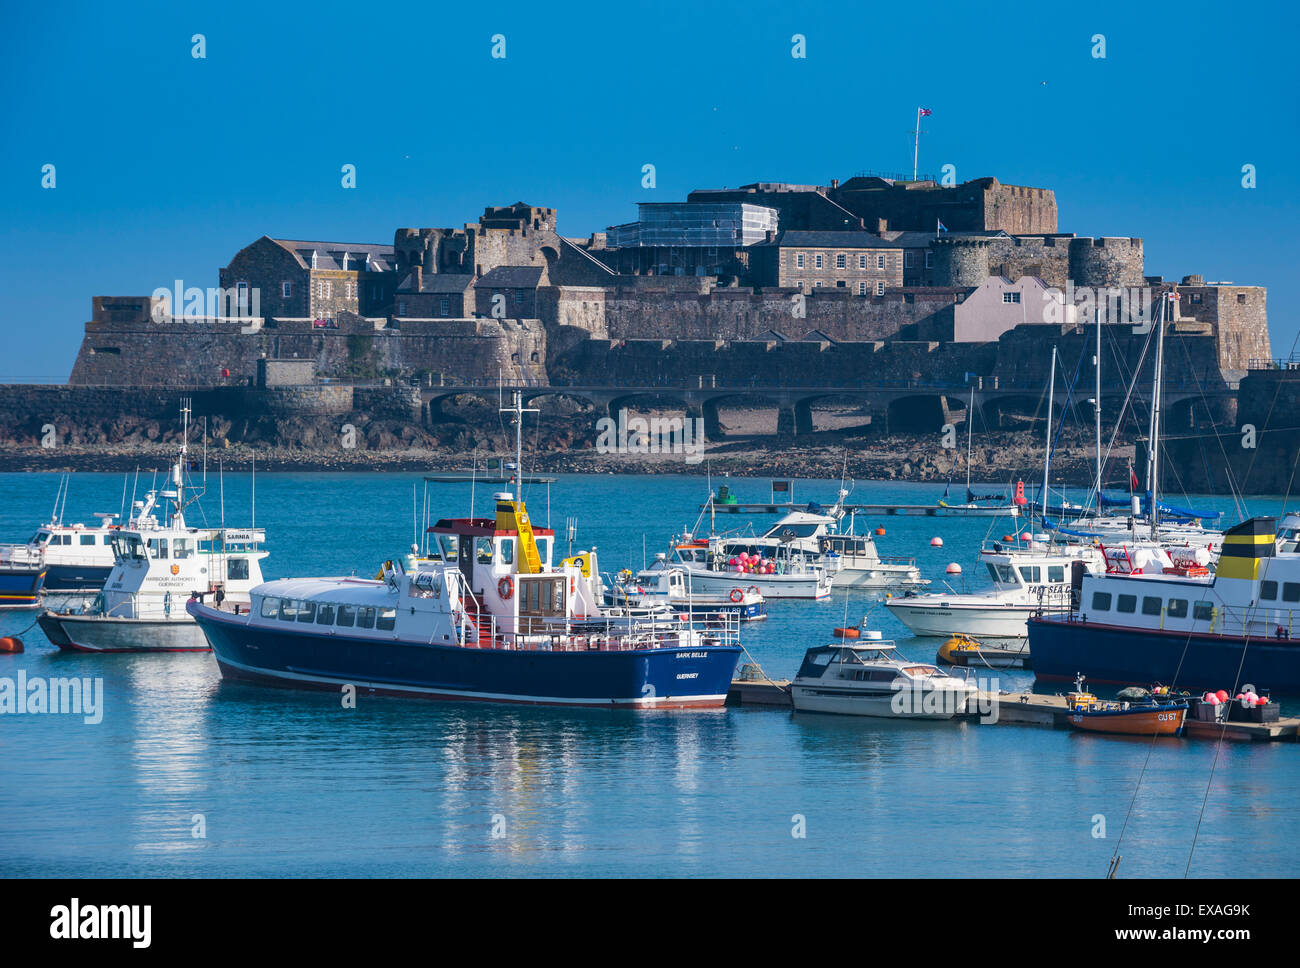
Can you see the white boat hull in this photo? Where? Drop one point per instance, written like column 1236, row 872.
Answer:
column 980, row 622
column 770, row 586
column 877, row 578
column 95, row 633
column 841, row 701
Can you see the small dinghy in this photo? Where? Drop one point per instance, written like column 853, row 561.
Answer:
column 962, row 650
column 1151, row 716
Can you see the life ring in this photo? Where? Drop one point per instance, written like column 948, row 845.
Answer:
column 737, row 595
column 506, row 587
column 753, row 590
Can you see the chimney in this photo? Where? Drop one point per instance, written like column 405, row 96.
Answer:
column 771, row 235
column 417, row 273
column 882, row 226
column 835, row 183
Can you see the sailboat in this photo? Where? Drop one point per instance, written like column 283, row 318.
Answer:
column 972, row 507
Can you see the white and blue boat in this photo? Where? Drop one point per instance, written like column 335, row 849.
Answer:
column 486, row 616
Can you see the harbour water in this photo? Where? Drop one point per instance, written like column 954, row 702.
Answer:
column 187, row 775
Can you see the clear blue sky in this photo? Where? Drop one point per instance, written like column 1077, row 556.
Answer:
column 167, row 165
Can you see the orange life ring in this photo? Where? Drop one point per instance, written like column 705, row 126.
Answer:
column 737, row 595
column 506, row 587
column 754, row 589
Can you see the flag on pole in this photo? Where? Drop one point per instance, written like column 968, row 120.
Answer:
column 925, row 112
column 940, row 227
column 1133, row 480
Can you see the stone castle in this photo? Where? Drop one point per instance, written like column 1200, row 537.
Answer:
column 869, row 281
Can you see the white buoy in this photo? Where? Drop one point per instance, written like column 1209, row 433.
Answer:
column 936, row 542
column 954, row 568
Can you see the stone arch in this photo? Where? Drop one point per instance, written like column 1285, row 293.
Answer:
column 920, row 413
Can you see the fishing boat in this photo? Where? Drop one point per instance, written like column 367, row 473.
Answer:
column 1186, row 626
column 867, row 677
column 486, row 617
column 159, row 563
column 1086, row 712
column 664, row 586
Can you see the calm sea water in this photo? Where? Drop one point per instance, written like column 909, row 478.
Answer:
column 290, row 783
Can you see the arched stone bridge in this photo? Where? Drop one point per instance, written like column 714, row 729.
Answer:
column 912, row 407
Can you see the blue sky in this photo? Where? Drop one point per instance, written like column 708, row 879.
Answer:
column 167, row 165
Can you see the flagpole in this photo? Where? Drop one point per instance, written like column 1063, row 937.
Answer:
column 916, row 144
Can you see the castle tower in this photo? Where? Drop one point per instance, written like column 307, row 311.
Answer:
column 960, row 261
column 1107, row 262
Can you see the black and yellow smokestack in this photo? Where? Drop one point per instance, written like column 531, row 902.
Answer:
column 1245, row 546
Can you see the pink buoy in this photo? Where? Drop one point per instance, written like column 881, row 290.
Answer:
column 953, row 568
column 936, row 542
column 1212, row 699
column 1223, row 695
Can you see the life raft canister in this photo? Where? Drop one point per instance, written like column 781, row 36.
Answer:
column 506, row 587
column 737, row 595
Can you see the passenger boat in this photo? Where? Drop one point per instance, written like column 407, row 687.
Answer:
column 1026, row 582
column 1086, row 712
column 867, row 677
column 664, row 586
column 708, row 563
column 1185, row 626
column 485, row 617
column 158, row 564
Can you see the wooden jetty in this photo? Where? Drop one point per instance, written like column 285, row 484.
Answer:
column 1029, row 709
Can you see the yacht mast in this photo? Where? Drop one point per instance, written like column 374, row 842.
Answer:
column 517, row 411
column 1047, row 454
column 1153, row 442
column 1096, row 407
column 970, row 427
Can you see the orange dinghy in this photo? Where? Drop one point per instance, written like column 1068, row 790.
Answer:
column 1086, row 712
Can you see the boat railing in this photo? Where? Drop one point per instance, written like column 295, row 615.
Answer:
column 657, row 629
column 21, row 555
column 1253, row 621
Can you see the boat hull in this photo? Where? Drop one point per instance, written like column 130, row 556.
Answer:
column 95, row 633
column 1127, row 656
column 76, row 578
column 20, row 588
column 1157, row 721
column 982, row 622
column 646, row 678
column 848, row 702
column 770, row 586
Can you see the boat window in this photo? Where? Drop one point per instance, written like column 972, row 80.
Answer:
column 821, row 659
column 1291, row 591
column 544, row 549
column 41, row 537
column 1101, row 601
column 270, row 607
column 387, row 619
column 485, row 551
column 1268, row 591
column 1127, row 603
column 365, row 618
column 308, row 612
column 1151, row 605
column 289, row 608
column 507, row 551
column 158, row 548
column 1203, row 611
column 1177, row 608
column 325, row 614
column 924, row 670
column 1056, row 572
column 237, row 569
column 882, row 675
column 1031, row 573
column 450, row 546
column 108, row 539
column 87, row 539
column 347, row 616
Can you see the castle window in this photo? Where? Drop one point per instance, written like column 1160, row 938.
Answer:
column 819, row 261
column 840, row 284
column 818, row 283
column 909, row 259
column 798, row 260
column 519, row 297
column 1241, row 299
column 862, row 288
column 880, row 289
column 444, row 307
column 1196, row 297
column 1011, row 297
column 929, row 259
column 401, row 307
column 862, row 262
column 840, row 262
column 880, row 262
column 286, row 289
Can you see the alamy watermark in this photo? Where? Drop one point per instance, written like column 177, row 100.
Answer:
column 922, row 698
column 215, row 302
column 651, row 435
column 24, row 695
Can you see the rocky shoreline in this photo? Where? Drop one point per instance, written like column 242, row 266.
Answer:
column 1005, row 458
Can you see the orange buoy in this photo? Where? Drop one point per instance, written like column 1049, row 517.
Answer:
column 849, row 633
column 11, row 643
column 880, row 532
